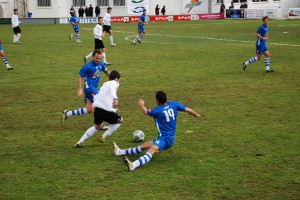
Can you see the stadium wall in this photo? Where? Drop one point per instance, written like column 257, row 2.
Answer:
column 59, row 9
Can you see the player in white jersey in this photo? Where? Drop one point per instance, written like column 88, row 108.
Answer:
column 98, row 42
column 107, row 26
column 104, row 103
column 15, row 24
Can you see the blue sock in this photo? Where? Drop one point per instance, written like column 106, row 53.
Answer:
column 4, row 60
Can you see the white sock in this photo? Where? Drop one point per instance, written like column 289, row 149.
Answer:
column 15, row 38
column 18, row 37
column 104, row 57
column 112, row 128
column 90, row 55
column 111, row 40
column 90, row 132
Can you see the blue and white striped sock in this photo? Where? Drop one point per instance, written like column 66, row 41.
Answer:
column 79, row 111
column 142, row 160
column 134, row 150
column 77, row 36
column 267, row 62
column 251, row 60
column 4, row 60
column 141, row 36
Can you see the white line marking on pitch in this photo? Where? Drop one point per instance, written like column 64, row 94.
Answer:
column 209, row 38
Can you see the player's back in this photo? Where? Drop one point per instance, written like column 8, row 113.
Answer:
column 165, row 117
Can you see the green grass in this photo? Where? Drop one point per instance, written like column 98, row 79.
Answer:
column 245, row 147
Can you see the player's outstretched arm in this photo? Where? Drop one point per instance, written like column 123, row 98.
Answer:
column 141, row 103
column 79, row 85
column 192, row 112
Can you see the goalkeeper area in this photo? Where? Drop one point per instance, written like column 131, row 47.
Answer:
column 246, row 146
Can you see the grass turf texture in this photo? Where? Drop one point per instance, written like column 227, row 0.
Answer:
column 245, row 147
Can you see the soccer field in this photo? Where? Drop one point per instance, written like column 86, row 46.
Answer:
column 246, row 146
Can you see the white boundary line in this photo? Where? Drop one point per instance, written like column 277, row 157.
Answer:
column 210, row 38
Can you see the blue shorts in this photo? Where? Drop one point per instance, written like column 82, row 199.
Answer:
column 76, row 29
column 260, row 49
column 141, row 29
column 163, row 142
column 89, row 94
column 1, row 47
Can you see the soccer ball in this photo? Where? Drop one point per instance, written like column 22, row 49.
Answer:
column 138, row 135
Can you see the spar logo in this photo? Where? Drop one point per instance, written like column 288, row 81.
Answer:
column 137, row 1
column 138, row 9
column 192, row 4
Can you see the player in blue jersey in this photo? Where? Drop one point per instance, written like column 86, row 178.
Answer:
column 91, row 75
column 165, row 115
column 141, row 29
column 4, row 60
column 261, row 47
column 74, row 21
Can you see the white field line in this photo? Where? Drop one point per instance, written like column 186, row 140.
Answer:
column 204, row 38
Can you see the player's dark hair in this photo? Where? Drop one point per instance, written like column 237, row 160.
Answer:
column 100, row 18
column 114, row 74
column 161, row 97
column 15, row 9
column 264, row 18
column 109, row 8
column 96, row 52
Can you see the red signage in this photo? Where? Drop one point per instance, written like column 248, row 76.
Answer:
column 134, row 19
column 211, row 16
column 181, row 17
column 117, row 19
column 159, row 18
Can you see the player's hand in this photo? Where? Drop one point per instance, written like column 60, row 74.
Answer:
column 141, row 102
column 115, row 102
column 79, row 93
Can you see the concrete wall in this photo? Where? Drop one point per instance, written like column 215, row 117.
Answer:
column 61, row 8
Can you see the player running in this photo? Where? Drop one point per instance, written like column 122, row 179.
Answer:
column 141, row 29
column 104, row 103
column 74, row 20
column 165, row 115
column 261, row 47
column 98, row 42
column 91, row 75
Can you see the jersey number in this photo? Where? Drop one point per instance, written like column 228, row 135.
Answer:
column 169, row 114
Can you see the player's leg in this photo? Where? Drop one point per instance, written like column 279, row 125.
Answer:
column 79, row 111
column 4, row 60
column 259, row 52
column 145, row 158
column 85, row 58
column 141, row 36
column 98, row 125
column 18, row 35
column 115, row 121
column 89, row 133
column 111, row 39
column 132, row 150
column 15, row 35
column 267, row 62
column 136, row 37
column 78, row 36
